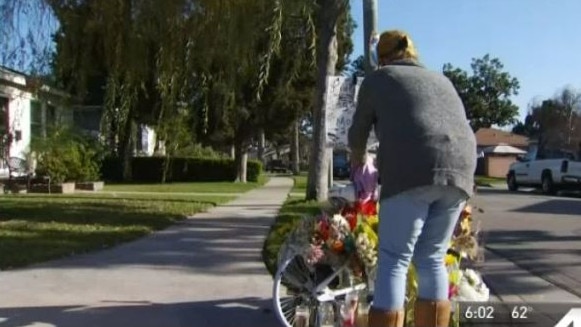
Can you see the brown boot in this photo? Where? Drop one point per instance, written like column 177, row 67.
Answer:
column 381, row 318
column 432, row 313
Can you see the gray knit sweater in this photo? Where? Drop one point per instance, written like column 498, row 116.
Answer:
column 420, row 122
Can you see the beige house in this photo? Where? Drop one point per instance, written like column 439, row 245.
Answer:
column 497, row 150
column 497, row 159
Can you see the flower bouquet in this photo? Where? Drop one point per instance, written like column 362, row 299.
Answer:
column 349, row 236
column 466, row 284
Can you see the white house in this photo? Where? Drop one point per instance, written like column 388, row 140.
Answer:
column 88, row 119
column 26, row 110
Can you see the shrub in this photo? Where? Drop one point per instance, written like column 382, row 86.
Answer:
column 181, row 169
column 199, row 151
column 66, row 156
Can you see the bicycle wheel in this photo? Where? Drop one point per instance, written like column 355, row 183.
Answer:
column 293, row 284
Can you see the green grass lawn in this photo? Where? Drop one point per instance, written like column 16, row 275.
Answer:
column 197, row 187
column 36, row 228
column 300, row 185
column 291, row 212
column 485, row 181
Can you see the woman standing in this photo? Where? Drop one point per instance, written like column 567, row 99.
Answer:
column 427, row 160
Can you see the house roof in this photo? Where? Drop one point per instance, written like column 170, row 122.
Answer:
column 13, row 78
column 503, row 149
column 486, row 137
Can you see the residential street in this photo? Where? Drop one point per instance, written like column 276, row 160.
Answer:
column 539, row 233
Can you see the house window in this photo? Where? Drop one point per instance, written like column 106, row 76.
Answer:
column 35, row 119
column 50, row 115
column 4, row 150
column 3, row 116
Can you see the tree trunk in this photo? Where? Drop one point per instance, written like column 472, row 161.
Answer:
column 261, row 145
column 328, row 14
column 128, row 145
column 233, row 152
column 295, row 152
column 240, row 160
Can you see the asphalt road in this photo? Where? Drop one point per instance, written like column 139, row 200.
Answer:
column 539, row 233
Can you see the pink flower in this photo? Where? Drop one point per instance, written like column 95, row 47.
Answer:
column 452, row 291
column 314, row 254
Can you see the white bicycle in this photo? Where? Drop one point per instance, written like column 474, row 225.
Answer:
column 297, row 283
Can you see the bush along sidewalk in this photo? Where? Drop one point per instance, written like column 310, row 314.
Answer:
column 181, row 169
column 292, row 211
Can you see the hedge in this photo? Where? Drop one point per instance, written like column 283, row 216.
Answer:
column 150, row 169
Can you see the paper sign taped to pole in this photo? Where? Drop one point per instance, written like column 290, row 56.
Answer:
column 342, row 95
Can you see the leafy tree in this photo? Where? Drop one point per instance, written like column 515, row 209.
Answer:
column 148, row 63
column 528, row 127
column 554, row 122
column 155, row 62
column 486, row 92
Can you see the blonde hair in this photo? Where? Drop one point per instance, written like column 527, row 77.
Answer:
column 395, row 45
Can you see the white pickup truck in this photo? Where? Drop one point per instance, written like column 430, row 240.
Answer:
column 551, row 170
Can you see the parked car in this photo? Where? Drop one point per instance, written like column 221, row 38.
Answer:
column 341, row 166
column 277, row 166
column 551, row 170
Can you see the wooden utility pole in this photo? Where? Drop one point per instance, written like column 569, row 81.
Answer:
column 369, row 27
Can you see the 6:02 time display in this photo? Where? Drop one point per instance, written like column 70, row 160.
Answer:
column 480, row 312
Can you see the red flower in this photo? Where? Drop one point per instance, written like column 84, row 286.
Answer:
column 352, row 220
column 368, row 208
column 350, row 214
column 324, row 229
column 349, row 211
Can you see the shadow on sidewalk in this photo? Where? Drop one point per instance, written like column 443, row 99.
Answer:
column 222, row 313
column 555, row 207
column 556, row 262
column 524, row 248
column 527, row 192
column 524, row 236
column 224, row 246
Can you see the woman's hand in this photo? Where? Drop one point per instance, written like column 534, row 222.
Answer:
column 365, row 179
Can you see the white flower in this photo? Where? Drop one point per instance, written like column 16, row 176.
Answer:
column 471, row 288
column 472, row 277
column 340, row 223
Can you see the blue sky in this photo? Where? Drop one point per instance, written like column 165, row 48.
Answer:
column 538, row 41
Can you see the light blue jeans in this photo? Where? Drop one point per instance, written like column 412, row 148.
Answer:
column 417, row 226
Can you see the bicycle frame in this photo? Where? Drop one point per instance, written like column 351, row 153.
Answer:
column 324, row 294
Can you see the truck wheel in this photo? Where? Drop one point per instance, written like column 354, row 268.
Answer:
column 547, row 185
column 511, row 182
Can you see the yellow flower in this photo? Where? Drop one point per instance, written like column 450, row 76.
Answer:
column 455, row 276
column 372, row 221
column 371, row 235
column 467, row 210
column 450, row 260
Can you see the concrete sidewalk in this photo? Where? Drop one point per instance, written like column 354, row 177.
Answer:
column 511, row 283
column 205, row 272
